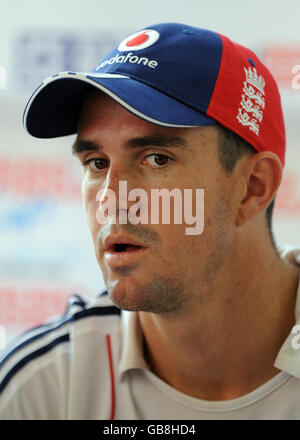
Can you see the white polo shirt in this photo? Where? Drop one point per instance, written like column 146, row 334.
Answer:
column 89, row 364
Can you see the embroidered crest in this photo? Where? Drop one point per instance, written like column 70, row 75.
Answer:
column 250, row 112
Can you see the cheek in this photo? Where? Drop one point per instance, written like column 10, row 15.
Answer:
column 89, row 194
column 177, row 247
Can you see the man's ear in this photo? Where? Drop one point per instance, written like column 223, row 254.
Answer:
column 262, row 174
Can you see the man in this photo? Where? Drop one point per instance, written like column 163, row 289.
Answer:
column 206, row 327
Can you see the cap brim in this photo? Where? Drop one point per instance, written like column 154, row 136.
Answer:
column 53, row 109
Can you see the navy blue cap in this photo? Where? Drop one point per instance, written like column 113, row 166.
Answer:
column 173, row 75
column 150, row 73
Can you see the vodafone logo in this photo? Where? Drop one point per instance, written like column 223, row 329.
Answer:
column 139, row 41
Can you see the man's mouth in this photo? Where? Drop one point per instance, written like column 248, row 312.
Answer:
column 122, row 250
column 123, row 247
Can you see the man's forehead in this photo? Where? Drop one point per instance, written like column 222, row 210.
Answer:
column 100, row 110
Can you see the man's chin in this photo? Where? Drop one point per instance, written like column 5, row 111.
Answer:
column 155, row 297
column 127, row 301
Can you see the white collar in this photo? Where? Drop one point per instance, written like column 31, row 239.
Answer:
column 132, row 343
column 288, row 359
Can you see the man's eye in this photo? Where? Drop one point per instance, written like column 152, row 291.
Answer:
column 158, row 160
column 96, row 164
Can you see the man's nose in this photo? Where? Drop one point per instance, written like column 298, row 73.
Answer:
column 112, row 196
column 118, row 172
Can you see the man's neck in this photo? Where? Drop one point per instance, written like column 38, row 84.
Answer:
column 226, row 348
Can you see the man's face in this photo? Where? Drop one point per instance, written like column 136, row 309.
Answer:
column 173, row 269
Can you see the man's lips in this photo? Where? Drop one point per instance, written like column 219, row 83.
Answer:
column 122, row 250
column 114, row 243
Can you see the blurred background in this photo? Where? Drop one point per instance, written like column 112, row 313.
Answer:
column 46, row 252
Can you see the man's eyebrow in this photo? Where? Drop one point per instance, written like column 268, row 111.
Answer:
column 157, row 140
column 81, row 145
